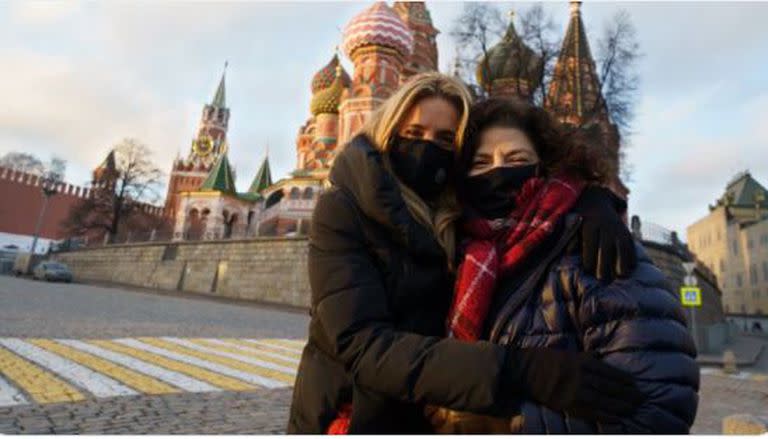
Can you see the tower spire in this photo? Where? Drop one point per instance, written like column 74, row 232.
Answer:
column 219, row 100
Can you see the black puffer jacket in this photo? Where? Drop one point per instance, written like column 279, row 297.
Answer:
column 380, row 294
column 635, row 324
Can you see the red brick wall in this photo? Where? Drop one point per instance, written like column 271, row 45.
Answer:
column 21, row 201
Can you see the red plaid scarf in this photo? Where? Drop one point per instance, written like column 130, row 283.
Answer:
column 496, row 247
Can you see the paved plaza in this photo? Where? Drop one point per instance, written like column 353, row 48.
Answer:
column 90, row 359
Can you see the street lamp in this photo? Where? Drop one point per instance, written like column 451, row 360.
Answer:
column 47, row 185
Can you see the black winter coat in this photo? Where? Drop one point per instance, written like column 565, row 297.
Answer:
column 380, row 296
column 635, row 324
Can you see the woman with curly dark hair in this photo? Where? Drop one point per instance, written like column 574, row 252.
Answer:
column 521, row 284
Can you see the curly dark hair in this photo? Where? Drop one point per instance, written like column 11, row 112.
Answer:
column 560, row 150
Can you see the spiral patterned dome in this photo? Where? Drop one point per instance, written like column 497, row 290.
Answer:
column 378, row 25
column 325, row 76
column 327, row 100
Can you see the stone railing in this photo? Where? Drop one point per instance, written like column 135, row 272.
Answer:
column 287, row 206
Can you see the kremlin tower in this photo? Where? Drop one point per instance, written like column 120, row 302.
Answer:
column 206, row 148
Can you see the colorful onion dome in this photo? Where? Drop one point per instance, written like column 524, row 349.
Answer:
column 326, row 101
column 509, row 59
column 379, row 25
column 325, row 76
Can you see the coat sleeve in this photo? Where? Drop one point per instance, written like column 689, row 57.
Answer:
column 636, row 325
column 349, row 304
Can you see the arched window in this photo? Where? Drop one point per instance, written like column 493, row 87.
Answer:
column 295, row 194
column 273, row 199
column 308, row 193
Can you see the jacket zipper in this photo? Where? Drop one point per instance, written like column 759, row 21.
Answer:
column 519, row 297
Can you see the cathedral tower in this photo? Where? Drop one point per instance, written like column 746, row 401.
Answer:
column 423, row 58
column 575, row 98
column 510, row 68
column 379, row 43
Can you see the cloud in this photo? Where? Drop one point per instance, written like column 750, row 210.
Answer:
column 682, row 167
column 40, row 13
column 54, row 107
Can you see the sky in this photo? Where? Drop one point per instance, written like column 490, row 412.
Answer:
column 78, row 77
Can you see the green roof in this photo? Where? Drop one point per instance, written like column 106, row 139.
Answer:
column 219, row 100
column 263, row 178
column 220, row 177
column 744, row 190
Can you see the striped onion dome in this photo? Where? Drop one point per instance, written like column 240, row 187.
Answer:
column 327, row 100
column 379, row 25
column 325, row 76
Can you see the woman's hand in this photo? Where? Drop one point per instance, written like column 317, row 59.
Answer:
column 577, row 383
column 607, row 245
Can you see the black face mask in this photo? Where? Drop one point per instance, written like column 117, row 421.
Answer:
column 492, row 193
column 422, row 165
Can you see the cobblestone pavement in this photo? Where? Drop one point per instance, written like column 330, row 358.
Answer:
column 253, row 412
column 266, row 411
column 38, row 309
column 724, row 396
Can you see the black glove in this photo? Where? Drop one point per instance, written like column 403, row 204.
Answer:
column 607, row 245
column 573, row 382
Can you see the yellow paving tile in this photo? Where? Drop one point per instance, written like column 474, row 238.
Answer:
column 760, row 377
column 243, row 352
column 263, row 347
column 41, row 385
column 235, row 364
column 221, row 381
column 136, row 380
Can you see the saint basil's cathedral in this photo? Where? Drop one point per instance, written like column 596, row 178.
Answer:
column 387, row 45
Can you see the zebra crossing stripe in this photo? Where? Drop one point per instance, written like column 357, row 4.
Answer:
column 9, row 395
column 262, row 343
column 179, row 380
column 235, row 356
column 96, row 383
column 42, row 386
column 179, row 353
column 130, row 378
column 292, row 344
column 241, row 347
column 218, row 380
column 222, row 358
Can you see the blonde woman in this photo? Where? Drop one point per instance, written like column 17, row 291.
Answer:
column 381, row 256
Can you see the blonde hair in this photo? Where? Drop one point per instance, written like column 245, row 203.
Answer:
column 384, row 123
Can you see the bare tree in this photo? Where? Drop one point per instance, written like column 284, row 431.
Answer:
column 618, row 52
column 56, row 168
column 481, row 26
column 539, row 32
column 119, row 196
column 24, row 162
column 475, row 31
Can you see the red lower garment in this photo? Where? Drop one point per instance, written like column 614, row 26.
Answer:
column 340, row 425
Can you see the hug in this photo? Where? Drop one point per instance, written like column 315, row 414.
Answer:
column 471, row 274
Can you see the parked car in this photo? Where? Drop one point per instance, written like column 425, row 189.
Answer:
column 52, row 271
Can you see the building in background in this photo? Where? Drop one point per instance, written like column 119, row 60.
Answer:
column 732, row 241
